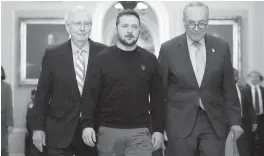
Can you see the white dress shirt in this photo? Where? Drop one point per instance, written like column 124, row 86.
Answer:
column 260, row 98
column 192, row 51
column 240, row 100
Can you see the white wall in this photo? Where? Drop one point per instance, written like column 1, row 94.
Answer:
column 257, row 51
column 252, row 43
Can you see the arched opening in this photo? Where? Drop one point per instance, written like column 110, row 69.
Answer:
column 157, row 25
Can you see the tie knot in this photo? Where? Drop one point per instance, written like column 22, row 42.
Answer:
column 197, row 44
column 81, row 52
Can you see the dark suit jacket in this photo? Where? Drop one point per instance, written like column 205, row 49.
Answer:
column 57, row 101
column 250, row 115
column 6, row 112
column 217, row 91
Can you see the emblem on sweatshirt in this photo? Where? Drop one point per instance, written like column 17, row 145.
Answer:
column 30, row 106
column 143, row 67
column 213, row 50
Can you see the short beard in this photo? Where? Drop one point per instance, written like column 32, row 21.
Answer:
column 122, row 41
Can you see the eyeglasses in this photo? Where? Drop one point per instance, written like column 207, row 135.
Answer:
column 192, row 25
column 79, row 24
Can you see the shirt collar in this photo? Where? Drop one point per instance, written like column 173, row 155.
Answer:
column 75, row 49
column 252, row 86
column 190, row 42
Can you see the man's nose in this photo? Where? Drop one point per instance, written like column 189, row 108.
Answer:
column 129, row 29
column 82, row 27
column 196, row 28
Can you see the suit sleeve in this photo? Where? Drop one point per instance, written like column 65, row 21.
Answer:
column 9, row 108
column 229, row 91
column 91, row 94
column 157, row 100
column 164, row 67
column 43, row 93
column 249, row 114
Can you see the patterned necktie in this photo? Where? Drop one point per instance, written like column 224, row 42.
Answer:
column 200, row 63
column 80, row 71
column 257, row 107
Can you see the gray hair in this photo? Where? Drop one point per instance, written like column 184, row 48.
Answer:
column 75, row 9
column 195, row 4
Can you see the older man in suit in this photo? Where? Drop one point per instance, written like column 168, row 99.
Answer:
column 7, row 122
column 200, row 89
column 59, row 91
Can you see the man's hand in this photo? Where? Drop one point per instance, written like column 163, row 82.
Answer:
column 236, row 131
column 157, row 140
column 10, row 129
column 39, row 139
column 254, row 127
column 165, row 136
column 88, row 136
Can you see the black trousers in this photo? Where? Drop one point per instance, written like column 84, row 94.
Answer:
column 244, row 142
column 260, row 133
column 77, row 147
column 202, row 141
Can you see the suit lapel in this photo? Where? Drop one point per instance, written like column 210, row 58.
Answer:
column 187, row 64
column 249, row 93
column 68, row 64
column 262, row 94
column 209, row 60
column 261, row 89
column 92, row 53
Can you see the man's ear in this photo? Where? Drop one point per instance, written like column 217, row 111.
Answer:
column 184, row 22
column 260, row 77
column 67, row 27
column 116, row 30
